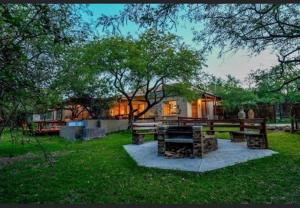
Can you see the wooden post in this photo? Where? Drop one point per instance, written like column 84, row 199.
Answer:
column 211, row 128
column 264, row 132
column 263, row 127
column 215, row 110
column 274, row 112
column 206, row 108
column 119, row 108
column 242, row 125
column 293, row 117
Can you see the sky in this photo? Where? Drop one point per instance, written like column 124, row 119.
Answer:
column 238, row 64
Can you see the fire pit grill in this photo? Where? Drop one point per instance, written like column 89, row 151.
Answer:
column 183, row 141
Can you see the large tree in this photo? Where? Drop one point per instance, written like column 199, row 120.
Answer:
column 229, row 27
column 80, row 88
column 143, row 66
column 33, row 38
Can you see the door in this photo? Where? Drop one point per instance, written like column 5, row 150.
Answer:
column 194, row 109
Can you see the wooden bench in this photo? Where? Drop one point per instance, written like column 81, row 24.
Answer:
column 255, row 139
column 140, row 129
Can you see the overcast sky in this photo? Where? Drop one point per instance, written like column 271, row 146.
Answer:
column 238, row 64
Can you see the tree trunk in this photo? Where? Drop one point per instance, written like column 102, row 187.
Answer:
column 130, row 116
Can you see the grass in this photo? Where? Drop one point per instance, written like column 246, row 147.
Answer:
column 100, row 171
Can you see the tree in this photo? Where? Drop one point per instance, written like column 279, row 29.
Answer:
column 143, row 66
column 230, row 27
column 233, row 94
column 33, row 39
column 263, row 80
column 80, row 88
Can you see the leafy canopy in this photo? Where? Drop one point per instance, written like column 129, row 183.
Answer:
column 143, row 66
column 228, row 27
column 33, row 39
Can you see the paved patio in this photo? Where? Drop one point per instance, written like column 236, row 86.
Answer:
column 228, row 154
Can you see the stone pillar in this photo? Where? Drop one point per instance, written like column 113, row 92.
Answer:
column 197, row 141
column 162, row 134
column 137, row 138
column 241, row 114
column 250, row 114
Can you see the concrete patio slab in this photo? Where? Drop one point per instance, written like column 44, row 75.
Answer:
column 228, row 154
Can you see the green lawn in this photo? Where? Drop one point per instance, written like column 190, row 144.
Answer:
column 100, row 171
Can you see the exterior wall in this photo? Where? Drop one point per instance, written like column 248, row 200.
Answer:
column 210, row 110
column 121, row 109
column 151, row 112
column 199, row 105
column 36, row 117
column 66, row 114
column 181, row 103
column 44, row 116
column 111, row 125
column 184, row 109
column 189, row 109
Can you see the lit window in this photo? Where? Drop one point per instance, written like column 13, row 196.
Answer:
column 170, row 108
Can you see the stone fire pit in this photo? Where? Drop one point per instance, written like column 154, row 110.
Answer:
column 184, row 141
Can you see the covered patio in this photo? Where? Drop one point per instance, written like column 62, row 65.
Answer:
column 228, row 154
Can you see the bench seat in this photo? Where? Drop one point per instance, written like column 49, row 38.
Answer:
column 255, row 140
column 139, row 130
column 178, row 140
column 246, row 133
column 145, row 133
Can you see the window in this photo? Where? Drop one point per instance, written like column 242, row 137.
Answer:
column 170, row 108
column 49, row 115
column 139, row 107
column 59, row 114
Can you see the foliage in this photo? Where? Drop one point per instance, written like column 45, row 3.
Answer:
column 233, row 94
column 80, row 86
column 33, row 40
column 100, row 171
column 229, row 27
column 143, row 66
column 263, row 80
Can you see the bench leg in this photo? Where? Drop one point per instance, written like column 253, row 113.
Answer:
column 161, row 145
column 137, row 138
column 237, row 137
column 257, row 142
column 198, row 146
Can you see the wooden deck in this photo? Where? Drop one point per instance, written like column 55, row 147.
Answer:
column 49, row 127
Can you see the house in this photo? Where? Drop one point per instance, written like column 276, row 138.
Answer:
column 171, row 107
column 207, row 106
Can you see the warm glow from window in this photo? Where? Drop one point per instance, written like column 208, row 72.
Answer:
column 170, row 108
